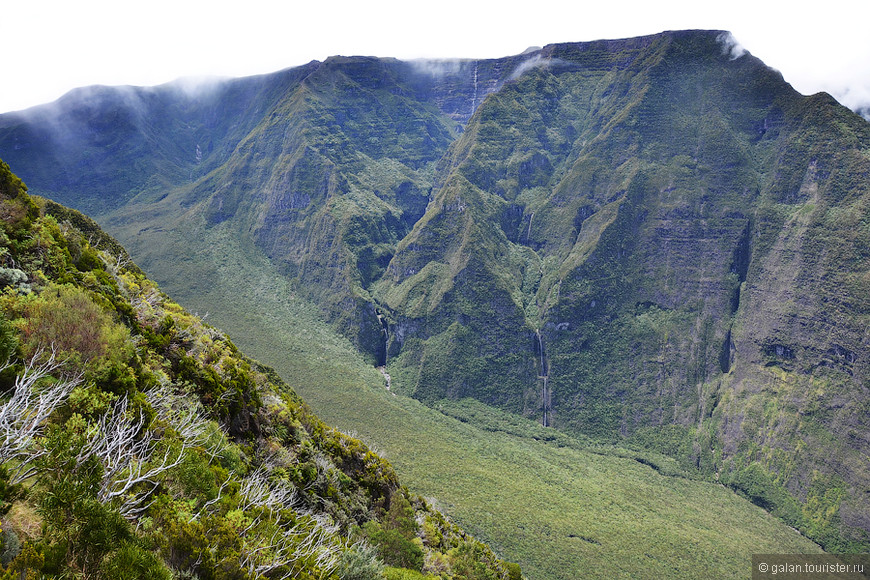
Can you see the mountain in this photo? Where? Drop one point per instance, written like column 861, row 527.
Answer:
column 138, row 442
column 654, row 241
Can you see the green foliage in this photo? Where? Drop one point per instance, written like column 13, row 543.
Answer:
column 28, row 560
column 394, row 537
column 94, row 537
column 131, row 561
column 17, row 210
column 467, row 561
column 514, row 572
column 210, row 546
column 11, row 546
column 756, row 483
column 393, row 547
column 359, row 562
column 9, row 492
column 65, row 316
column 391, row 573
column 96, row 238
column 206, row 506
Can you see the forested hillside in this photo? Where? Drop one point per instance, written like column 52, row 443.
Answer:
column 136, row 441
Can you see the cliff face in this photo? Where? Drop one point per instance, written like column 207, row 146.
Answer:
column 675, row 230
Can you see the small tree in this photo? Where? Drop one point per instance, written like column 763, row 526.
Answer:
column 28, row 559
column 359, row 562
column 394, row 538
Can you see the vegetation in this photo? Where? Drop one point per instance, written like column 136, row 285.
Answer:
column 138, row 442
column 661, row 248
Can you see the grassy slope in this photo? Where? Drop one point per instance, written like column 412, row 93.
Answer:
column 560, row 511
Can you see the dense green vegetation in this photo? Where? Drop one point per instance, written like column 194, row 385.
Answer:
column 652, row 243
column 138, row 442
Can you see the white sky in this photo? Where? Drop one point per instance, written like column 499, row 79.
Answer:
column 52, row 46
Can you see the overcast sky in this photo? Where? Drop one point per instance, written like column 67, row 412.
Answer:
column 52, row 46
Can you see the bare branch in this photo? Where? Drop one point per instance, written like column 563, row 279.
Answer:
column 22, row 417
column 211, row 502
column 130, row 453
column 258, row 492
column 312, row 536
column 305, row 540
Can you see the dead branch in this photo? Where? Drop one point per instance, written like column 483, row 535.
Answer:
column 23, row 416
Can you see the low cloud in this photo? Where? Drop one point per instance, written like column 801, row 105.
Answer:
column 534, row 62
column 855, row 97
column 439, row 67
column 730, row 46
column 198, row 86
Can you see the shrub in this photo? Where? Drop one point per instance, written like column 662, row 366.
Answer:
column 395, row 538
column 131, row 562
column 394, row 548
column 28, row 560
column 404, row 574
column 11, row 546
column 467, row 560
column 359, row 562
column 66, row 317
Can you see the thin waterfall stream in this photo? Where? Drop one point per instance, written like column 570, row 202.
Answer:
column 543, row 376
column 382, row 359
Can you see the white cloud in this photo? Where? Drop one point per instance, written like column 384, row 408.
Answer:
column 730, row 46
column 55, row 45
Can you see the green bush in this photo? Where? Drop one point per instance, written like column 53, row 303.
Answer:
column 359, row 562
column 394, row 548
column 88, row 534
column 10, row 546
column 404, row 574
column 8, row 493
column 469, row 561
column 756, row 483
column 394, row 538
column 131, row 562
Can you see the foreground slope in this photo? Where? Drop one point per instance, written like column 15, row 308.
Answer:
column 653, row 240
column 138, row 442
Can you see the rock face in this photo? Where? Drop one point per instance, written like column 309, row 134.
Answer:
column 681, row 233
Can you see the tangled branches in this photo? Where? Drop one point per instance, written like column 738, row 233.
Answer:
column 133, row 456
column 23, row 416
column 278, row 537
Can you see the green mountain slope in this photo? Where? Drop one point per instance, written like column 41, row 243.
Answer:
column 648, row 241
column 138, row 442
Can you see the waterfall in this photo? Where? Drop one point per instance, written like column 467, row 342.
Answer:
column 474, row 95
column 546, row 395
column 385, row 345
column 385, row 333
